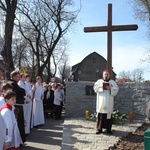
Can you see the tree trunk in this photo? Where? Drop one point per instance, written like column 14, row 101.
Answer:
column 9, row 25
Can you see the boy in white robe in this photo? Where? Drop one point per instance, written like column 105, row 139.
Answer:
column 38, row 112
column 4, row 88
column 13, row 138
column 106, row 89
column 27, row 102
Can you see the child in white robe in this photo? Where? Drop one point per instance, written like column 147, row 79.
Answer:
column 4, row 88
column 38, row 112
column 26, row 105
column 2, row 101
column 29, row 105
column 13, row 138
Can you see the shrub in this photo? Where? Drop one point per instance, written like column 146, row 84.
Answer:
column 117, row 116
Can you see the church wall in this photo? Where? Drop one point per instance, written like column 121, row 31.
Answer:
column 131, row 97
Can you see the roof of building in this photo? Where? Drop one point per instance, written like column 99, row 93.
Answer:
column 75, row 67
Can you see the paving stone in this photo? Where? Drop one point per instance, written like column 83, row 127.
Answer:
column 102, row 141
column 75, row 134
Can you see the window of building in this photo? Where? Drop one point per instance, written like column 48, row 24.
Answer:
column 94, row 60
column 79, row 71
column 97, row 70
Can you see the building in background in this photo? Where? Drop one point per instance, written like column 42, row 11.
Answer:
column 90, row 68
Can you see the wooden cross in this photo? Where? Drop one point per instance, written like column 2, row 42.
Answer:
column 109, row 28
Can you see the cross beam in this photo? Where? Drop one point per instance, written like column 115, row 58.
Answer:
column 113, row 28
column 109, row 28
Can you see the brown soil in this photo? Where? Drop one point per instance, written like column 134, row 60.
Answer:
column 133, row 141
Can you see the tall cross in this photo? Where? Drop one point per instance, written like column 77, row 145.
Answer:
column 109, row 28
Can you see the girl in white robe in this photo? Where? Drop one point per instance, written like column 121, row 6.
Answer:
column 13, row 137
column 38, row 112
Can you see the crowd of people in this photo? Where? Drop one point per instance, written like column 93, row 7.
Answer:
column 24, row 105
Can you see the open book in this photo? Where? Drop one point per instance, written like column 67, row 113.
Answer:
column 105, row 84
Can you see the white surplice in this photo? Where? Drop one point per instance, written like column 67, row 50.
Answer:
column 11, row 124
column 2, row 101
column 2, row 132
column 105, row 98
column 28, row 107
column 38, row 112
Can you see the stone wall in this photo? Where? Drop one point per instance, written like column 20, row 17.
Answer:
column 131, row 97
column 77, row 102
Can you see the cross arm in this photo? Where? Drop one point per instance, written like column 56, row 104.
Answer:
column 112, row 28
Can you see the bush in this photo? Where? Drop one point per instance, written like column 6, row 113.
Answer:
column 93, row 116
column 117, row 116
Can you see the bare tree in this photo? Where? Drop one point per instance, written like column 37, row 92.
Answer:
column 43, row 25
column 137, row 75
column 64, row 69
column 142, row 11
column 125, row 75
column 22, row 54
column 60, row 54
column 9, row 8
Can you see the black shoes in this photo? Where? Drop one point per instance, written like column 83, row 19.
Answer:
column 107, row 132
column 98, row 131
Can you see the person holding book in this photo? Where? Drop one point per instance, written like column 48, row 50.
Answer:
column 106, row 89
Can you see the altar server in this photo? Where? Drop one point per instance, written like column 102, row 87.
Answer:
column 13, row 140
column 38, row 112
column 2, row 133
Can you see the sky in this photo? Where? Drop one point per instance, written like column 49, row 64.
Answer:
column 128, row 47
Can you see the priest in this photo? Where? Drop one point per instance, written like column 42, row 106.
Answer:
column 106, row 89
